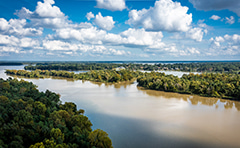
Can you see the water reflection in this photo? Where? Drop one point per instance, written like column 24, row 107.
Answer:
column 96, row 83
column 228, row 105
column 237, row 105
column 193, row 99
column 45, row 77
column 115, row 85
column 167, row 95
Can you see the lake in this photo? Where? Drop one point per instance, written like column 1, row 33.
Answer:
column 135, row 117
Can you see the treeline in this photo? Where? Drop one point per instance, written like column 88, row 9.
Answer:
column 206, row 84
column 10, row 63
column 219, row 67
column 72, row 66
column 34, row 119
column 109, row 76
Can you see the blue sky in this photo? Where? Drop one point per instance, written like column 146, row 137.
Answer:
column 88, row 30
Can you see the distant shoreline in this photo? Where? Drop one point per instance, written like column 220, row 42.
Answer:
column 10, row 64
column 27, row 62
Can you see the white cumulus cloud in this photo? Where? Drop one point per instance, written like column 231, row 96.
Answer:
column 217, row 41
column 70, row 48
column 119, row 52
column 225, row 45
column 15, row 44
column 4, row 25
column 46, row 9
column 193, row 50
column 128, row 38
column 195, row 34
column 102, row 50
column 166, row 15
column 90, row 35
column 9, row 40
column 113, row 5
column 188, row 51
column 235, row 39
column 105, row 23
column 89, row 15
column 46, row 15
column 230, row 20
column 215, row 17
column 18, row 27
column 29, row 43
column 140, row 37
column 59, row 45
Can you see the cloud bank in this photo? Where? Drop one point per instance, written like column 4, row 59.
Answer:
column 207, row 5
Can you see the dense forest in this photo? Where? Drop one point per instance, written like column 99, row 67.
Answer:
column 72, row 66
column 34, row 119
column 109, row 76
column 207, row 84
column 220, row 67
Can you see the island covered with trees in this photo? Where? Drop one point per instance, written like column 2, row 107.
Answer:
column 218, row 67
column 109, row 76
column 34, row 119
column 226, row 86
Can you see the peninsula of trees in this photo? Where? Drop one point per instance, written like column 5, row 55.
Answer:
column 34, row 119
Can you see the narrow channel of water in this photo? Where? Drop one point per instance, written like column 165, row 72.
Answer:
column 135, row 117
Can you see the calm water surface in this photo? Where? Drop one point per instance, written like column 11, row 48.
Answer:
column 135, row 117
